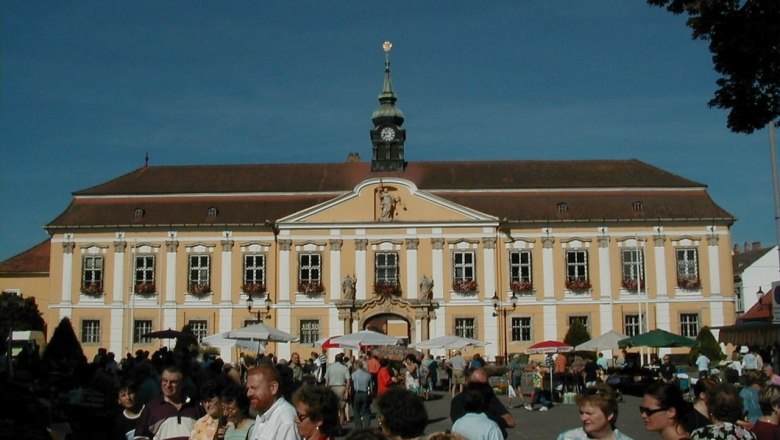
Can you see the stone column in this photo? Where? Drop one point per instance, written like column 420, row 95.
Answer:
column 411, row 268
column 361, row 286
column 335, row 269
column 548, row 267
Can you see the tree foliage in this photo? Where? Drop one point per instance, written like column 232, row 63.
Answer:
column 18, row 313
column 64, row 347
column 744, row 39
column 188, row 342
column 707, row 345
column 577, row 334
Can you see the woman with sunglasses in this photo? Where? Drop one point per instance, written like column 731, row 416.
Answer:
column 664, row 411
column 725, row 407
column 318, row 412
column 598, row 413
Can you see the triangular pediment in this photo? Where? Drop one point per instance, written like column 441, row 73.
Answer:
column 387, row 201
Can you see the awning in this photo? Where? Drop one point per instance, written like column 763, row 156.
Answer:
column 762, row 335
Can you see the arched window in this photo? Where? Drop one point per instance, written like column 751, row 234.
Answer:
column 212, row 212
column 563, row 207
column 138, row 213
column 638, row 206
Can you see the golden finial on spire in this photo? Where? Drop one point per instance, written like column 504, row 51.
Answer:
column 387, row 46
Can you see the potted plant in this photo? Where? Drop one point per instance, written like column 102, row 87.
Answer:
column 92, row 289
column 145, row 288
column 199, row 289
column 632, row 283
column 311, row 287
column 578, row 284
column 689, row 283
column 384, row 288
column 253, row 288
column 465, row 285
column 521, row 286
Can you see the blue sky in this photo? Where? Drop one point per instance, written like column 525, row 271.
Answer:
column 88, row 88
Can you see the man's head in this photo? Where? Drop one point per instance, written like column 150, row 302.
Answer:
column 263, row 386
column 478, row 375
column 340, row 358
column 667, row 359
column 295, row 358
column 171, row 383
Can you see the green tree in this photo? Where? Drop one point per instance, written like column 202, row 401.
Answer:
column 577, row 334
column 707, row 345
column 744, row 39
column 64, row 347
column 188, row 342
column 18, row 313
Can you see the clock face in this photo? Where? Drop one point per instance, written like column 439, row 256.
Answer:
column 387, row 134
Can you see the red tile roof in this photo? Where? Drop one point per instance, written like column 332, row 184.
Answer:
column 761, row 310
column 32, row 261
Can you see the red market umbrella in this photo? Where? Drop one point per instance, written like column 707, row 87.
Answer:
column 549, row 347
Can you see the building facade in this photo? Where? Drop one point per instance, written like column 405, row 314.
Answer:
column 510, row 252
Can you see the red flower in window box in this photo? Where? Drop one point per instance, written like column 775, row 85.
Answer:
column 464, row 285
column 199, row 289
column 387, row 289
column 578, row 284
column 145, row 288
column 253, row 288
column 311, row 287
column 92, row 289
column 521, row 286
column 688, row 283
column 632, row 283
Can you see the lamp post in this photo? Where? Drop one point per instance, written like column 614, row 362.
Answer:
column 260, row 313
column 499, row 310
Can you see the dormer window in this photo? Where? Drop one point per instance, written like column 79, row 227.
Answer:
column 563, row 207
column 638, row 206
column 138, row 214
column 212, row 212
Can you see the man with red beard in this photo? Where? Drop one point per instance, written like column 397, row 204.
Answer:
column 275, row 416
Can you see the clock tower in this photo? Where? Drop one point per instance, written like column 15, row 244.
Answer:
column 387, row 136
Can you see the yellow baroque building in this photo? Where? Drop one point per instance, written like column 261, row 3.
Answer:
column 510, row 252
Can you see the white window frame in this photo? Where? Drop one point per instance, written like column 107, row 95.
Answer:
column 466, row 327
column 521, row 266
column 464, row 265
column 92, row 271
column 199, row 327
column 254, row 268
column 90, row 331
column 386, row 268
column 689, row 325
column 521, row 327
column 687, row 263
column 739, row 305
column 631, row 325
column 310, row 267
column 144, row 271
column 141, row 327
column 309, row 331
column 199, row 269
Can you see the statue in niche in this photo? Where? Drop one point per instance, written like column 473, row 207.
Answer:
column 348, row 288
column 426, row 289
column 386, row 205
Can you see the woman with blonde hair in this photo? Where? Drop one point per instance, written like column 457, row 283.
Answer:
column 766, row 427
column 598, row 414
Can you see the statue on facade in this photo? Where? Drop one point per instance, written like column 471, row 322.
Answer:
column 426, row 289
column 386, row 205
column 348, row 288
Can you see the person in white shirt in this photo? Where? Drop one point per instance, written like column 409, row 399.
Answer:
column 275, row 416
column 475, row 424
column 703, row 364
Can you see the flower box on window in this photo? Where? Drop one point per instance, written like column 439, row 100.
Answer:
column 253, row 288
column 145, row 288
column 464, row 285
column 387, row 289
column 521, row 286
column 92, row 289
column 578, row 284
column 311, row 287
column 199, row 289
column 688, row 283
column 632, row 284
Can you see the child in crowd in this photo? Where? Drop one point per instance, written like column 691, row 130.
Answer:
column 538, row 395
column 128, row 415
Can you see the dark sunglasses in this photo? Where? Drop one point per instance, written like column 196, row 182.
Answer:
column 649, row 412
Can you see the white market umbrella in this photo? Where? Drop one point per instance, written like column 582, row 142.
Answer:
column 449, row 342
column 327, row 343
column 365, row 337
column 260, row 333
column 220, row 340
column 607, row 341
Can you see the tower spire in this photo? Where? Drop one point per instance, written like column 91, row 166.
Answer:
column 387, row 136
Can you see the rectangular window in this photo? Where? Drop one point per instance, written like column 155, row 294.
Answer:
column 141, row 327
column 521, row 329
column 577, row 270
column 739, row 307
column 144, row 274
column 689, row 325
column 463, row 266
column 520, row 271
column 631, row 325
column 687, row 265
column 92, row 274
column 310, row 331
column 248, row 322
column 199, row 327
column 583, row 319
column 310, row 268
column 254, row 269
column 386, row 268
column 199, row 274
column 90, row 331
column 465, row 328
column 633, row 269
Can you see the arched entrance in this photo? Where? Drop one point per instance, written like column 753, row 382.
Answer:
column 390, row 324
column 389, row 314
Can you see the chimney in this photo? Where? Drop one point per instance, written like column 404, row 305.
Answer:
column 735, row 251
column 746, row 247
column 353, row 157
column 756, row 245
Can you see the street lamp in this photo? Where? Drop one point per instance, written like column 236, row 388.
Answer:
column 261, row 315
column 499, row 310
